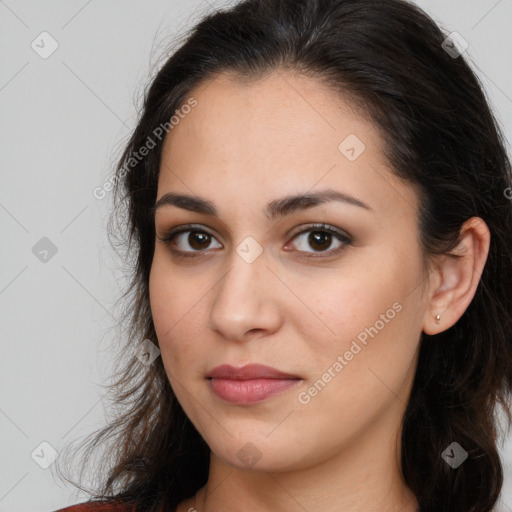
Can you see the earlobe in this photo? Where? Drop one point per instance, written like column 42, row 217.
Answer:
column 459, row 274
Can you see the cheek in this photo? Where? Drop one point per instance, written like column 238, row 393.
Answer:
column 178, row 307
column 167, row 308
column 354, row 380
column 371, row 324
column 172, row 297
column 341, row 308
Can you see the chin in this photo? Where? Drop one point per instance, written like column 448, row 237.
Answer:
column 261, row 453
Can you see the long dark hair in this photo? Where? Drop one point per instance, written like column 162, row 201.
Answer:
column 392, row 59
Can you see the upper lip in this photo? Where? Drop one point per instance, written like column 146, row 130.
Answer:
column 248, row 372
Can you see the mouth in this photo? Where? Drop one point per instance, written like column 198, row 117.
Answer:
column 249, row 384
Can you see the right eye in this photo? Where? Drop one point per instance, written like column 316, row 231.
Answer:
column 197, row 239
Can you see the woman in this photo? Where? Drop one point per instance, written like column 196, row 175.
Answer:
column 318, row 195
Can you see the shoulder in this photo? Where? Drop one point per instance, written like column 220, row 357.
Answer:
column 99, row 506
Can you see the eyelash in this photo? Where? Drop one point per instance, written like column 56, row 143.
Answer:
column 169, row 237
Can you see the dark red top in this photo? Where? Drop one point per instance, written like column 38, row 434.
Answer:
column 98, row 506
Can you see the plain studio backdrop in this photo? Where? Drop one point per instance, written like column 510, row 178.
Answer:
column 72, row 72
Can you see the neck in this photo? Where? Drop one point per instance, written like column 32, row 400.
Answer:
column 363, row 475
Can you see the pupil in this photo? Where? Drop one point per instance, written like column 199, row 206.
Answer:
column 320, row 238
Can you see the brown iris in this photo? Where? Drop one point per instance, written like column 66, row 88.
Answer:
column 320, row 238
column 198, row 240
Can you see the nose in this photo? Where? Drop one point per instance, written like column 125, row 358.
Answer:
column 245, row 303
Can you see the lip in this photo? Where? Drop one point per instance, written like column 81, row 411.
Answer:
column 248, row 372
column 249, row 384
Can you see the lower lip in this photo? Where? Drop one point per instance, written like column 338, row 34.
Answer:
column 249, row 391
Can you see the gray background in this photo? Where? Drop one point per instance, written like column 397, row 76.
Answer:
column 64, row 120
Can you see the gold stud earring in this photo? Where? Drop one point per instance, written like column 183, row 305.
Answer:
column 438, row 317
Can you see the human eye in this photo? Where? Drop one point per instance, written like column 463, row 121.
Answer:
column 322, row 236
column 327, row 239
column 198, row 239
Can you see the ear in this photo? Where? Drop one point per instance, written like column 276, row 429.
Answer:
column 457, row 276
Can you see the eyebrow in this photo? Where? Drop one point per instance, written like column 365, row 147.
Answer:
column 274, row 209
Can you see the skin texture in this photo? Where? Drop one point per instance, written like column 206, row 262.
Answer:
column 244, row 145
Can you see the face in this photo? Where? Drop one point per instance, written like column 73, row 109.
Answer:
column 327, row 290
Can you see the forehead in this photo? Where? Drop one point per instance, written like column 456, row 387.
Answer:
column 281, row 134
column 282, row 113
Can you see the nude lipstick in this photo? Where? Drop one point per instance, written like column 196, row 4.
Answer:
column 249, row 384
